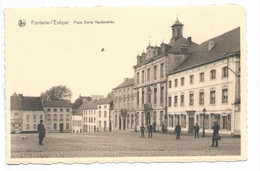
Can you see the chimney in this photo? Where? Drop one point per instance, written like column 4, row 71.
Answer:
column 189, row 40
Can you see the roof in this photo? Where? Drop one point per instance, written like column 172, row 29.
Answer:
column 104, row 101
column 26, row 103
column 15, row 103
column 57, row 103
column 127, row 83
column 175, row 45
column 225, row 44
column 88, row 105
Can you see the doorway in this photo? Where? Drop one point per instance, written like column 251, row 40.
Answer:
column 191, row 124
column 124, row 120
column 61, row 127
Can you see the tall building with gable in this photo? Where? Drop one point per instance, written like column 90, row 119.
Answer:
column 150, row 77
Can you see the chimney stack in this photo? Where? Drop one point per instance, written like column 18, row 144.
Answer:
column 189, row 40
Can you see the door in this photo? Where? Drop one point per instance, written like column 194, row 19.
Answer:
column 119, row 123
column 124, row 124
column 191, row 124
column 61, row 127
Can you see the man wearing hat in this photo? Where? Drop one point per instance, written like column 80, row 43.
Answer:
column 215, row 133
column 41, row 131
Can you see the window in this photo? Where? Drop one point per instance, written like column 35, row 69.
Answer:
column 55, row 110
column 182, row 100
column 16, row 114
column 201, row 76
column 148, row 74
column 138, row 75
column 27, row 118
column 40, row 117
column 175, row 100
column 61, row 117
column 162, row 95
column 55, row 117
column 67, row 110
column 224, row 95
column 191, row 99
column 191, row 79
column 176, row 82
column 100, row 114
column 162, row 75
column 149, row 98
column 155, row 72
column 34, row 126
column 67, row 126
column 48, row 110
column 137, row 100
column 182, row 81
column 99, row 123
column 170, row 84
column 213, row 74
column 34, row 118
column 67, row 117
column 201, row 100
column 55, row 126
column 105, row 114
column 155, row 95
column 61, row 110
column 27, row 126
column 142, row 97
column 225, row 72
column 212, row 97
column 183, row 121
column 170, row 101
column 49, row 117
column 142, row 76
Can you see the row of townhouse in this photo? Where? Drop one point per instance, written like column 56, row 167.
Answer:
column 27, row 111
column 93, row 116
column 183, row 82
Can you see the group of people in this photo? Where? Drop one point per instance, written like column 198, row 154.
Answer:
column 196, row 128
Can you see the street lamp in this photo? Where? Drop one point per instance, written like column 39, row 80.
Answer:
column 204, row 113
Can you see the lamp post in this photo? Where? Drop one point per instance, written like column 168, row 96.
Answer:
column 204, row 113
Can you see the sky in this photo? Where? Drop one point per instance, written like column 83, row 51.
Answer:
column 41, row 56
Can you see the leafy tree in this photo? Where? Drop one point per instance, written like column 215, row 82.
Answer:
column 79, row 101
column 59, row 92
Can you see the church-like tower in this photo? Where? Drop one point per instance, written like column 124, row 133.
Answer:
column 177, row 29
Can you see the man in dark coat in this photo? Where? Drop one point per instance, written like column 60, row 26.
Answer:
column 142, row 128
column 215, row 133
column 196, row 130
column 178, row 131
column 150, row 131
column 41, row 131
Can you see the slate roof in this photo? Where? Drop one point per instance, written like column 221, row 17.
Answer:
column 88, row 105
column 26, row 103
column 225, row 44
column 175, row 46
column 57, row 103
column 15, row 103
column 126, row 83
column 104, row 101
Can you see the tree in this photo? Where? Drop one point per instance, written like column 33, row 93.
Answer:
column 79, row 101
column 59, row 92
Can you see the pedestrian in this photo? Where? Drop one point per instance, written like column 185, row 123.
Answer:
column 215, row 135
column 150, row 131
column 142, row 128
column 178, row 131
column 162, row 128
column 135, row 129
column 154, row 126
column 41, row 131
column 196, row 130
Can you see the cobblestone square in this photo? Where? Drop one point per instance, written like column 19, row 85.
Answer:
column 118, row 144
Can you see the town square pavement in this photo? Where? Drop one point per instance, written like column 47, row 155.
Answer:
column 118, row 144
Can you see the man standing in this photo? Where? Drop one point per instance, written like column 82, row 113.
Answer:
column 142, row 128
column 215, row 134
column 154, row 126
column 41, row 131
column 178, row 131
column 196, row 129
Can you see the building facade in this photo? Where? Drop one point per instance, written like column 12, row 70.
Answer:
column 150, row 79
column 58, row 116
column 77, row 124
column 104, row 115
column 206, row 87
column 26, row 113
column 124, row 116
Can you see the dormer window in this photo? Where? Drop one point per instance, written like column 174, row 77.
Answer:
column 211, row 45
